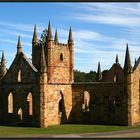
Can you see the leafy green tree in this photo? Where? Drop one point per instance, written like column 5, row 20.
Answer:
column 84, row 77
column 91, row 76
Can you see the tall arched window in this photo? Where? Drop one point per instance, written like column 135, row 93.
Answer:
column 61, row 57
column 61, row 102
column 30, row 103
column 60, row 105
column 19, row 75
column 10, row 103
column 115, row 78
column 20, row 113
column 85, row 105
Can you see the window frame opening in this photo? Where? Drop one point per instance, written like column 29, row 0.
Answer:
column 19, row 75
column 61, row 57
column 30, row 103
column 20, row 113
column 10, row 103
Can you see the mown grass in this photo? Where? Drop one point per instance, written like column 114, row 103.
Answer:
column 7, row 131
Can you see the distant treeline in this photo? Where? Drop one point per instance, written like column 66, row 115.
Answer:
column 84, row 77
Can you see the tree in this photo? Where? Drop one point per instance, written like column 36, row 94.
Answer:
column 84, row 77
column 91, row 76
column 43, row 37
column 79, row 76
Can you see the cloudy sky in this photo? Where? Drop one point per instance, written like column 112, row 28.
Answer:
column 100, row 30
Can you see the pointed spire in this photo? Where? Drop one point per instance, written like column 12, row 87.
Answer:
column 19, row 45
column 19, row 42
column 70, row 39
column 3, row 57
column 99, row 73
column 117, row 59
column 3, row 65
column 127, row 64
column 99, row 68
column 56, row 37
column 35, row 36
column 43, row 66
column 135, row 61
column 49, row 32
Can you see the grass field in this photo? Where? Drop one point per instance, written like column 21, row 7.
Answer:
column 7, row 131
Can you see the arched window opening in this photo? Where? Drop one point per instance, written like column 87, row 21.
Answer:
column 61, row 109
column 19, row 75
column 60, row 105
column 20, row 113
column 61, row 57
column 10, row 103
column 85, row 105
column 30, row 104
column 111, row 103
column 115, row 78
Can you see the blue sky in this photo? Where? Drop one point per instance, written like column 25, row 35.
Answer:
column 100, row 30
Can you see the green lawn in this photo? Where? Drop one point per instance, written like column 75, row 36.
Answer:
column 7, row 131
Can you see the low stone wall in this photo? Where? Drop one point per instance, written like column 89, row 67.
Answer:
column 108, row 103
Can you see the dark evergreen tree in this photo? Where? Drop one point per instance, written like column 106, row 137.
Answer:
column 43, row 37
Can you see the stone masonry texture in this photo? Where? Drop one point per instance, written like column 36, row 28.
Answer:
column 42, row 93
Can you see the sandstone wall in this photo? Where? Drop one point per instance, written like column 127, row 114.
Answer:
column 54, row 93
column 59, row 64
column 135, row 96
column 20, row 91
column 108, row 103
column 114, row 70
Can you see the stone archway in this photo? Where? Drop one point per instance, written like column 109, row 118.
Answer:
column 61, row 109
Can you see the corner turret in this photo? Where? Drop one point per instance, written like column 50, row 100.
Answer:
column 43, row 79
column 35, row 36
column 35, row 49
column 99, row 73
column 127, row 64
column 49, row 37
column 117, row 59
column 19, row 46
column 70, row 38
column 71, row 48
column 56, row 37
column 3, row 69
column 43, row 66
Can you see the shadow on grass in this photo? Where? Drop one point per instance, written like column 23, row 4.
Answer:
column 18, row 124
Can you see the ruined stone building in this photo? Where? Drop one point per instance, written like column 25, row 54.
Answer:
column 43, row 92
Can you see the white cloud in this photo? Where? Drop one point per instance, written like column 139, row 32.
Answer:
column 120, row 14
column 15, row 33
column 14, row 42
column 86, row 35
column 92, row 46
column 88, row 53
column 109, row 19
column 21, row 27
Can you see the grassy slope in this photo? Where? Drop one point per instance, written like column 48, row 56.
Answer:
column 62, row 129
